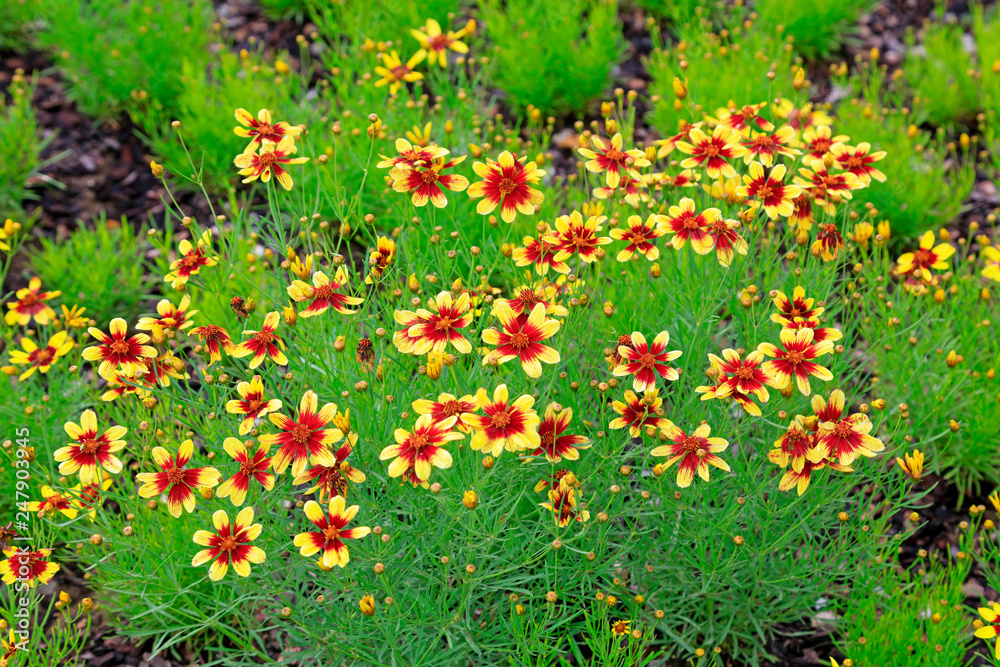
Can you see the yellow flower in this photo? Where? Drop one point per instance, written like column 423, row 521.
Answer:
column 434, row 44
column 928, row 256
column 420, row 137
column 367, row 605
column 992, row 268
column 394, row 72
column 913, row 465
column 73, row 317
column 7, row 232
column 991, row 628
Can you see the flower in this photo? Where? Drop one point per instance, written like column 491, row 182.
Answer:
column 771, row 190
column 216, row 338
column 628, row 190
column 725, row 239
column 645, row 361
column 364, row 354
column 88, row 497
column 575, row 236
column 324, row 294
column 263, row 343
column 251, row 403
column 913, row 465
column 432, row 330
column 381, row 258
column 367, row 605
column 739, row 378
column 740, row 119
column 799, row 479
column 540, row 253
column 817, row 142
column 564, row 505
column 640, row 237
column 191, row 259
column 253, row 466
column 506, row 183
column 27, row 566
column 175, row 318
column 446, row 406
column 797, row 445
column 819, row 333
column 91, row 451
column 506, row 425
column 928, row 256
column 796, row 359
column 30, row 303
column 304, row 439
column 425, row 182
column 554, row 445
column 796, row 307
column 526, row 297
column 620, row 628
column 858, row 161
column 764, row 147
column 261, row 129
column 695, row 452
column 435, row 44
column 613, row 161
column 422, row 448
column 394, row 72
column 844, row 439
column 269, row 161
column 637, row 414
column 991, row 268
column 712, row 151
column 331, row 480
column 522, row 340
column 412, row 156
column 827, row 188
column 176, row 480
column 229, row 545
column 41, row 359
column 53, row 501
column 989, row 614
column 117, row 352
column 73, row 317
column 332, row 532
column 686, row 225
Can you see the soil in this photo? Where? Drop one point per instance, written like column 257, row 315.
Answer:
column 103, row 167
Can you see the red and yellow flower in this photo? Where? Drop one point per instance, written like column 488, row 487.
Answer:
column 436, row 43
column 216, row 339
column 91, row 452
column 380, row 258
column 859, row 160
column 323, row 294
column 743, row 118
column 263, row 343
column 726, row 240
column 26, row 566
column 797, row 306
column 825, row 188
column 693, row 452
column 41, row 359
column 829, row 241
column 305, row 438
column 640, row 237
column 434, row 328
column 506, row 183
column 229, row 545
column 800, row 479
column 175, row 479
column 796, row 446
column 447, row 406
column 556, row 444
column 575, row 236
column 422, row 448
column 627, row 190
column 270, row 161
column 412, row 156
column 425, row 182
column 770, row 190
column 252, row 467
column 712, row 152
column 541, row 254
column 171, row 317
column 395, row 72
column 841, row 437
column 991, row 628
column 522, row 340
column 817, row 142
column 638, row 414
column 505, row 425
column 765, row 147
column 251, row 403
column 30, row 302
column 116, row 352
column 686, row 225
column 190, row 260
column 332, row 532
column 262, row 129
column 740, row 378
column 796, row 360
column 53, row 501
column 645, row 361
column 331, row 480
column 614, row 162
column 927, row 256
column 526, row 297
column 564, row 505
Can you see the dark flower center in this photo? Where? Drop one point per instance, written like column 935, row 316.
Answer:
column 506, row 186
column 248, row 467
column 615, row 156
column 30, row 299
column 647, row 360
column 795, row 357
column 264, row 337
column 227, row 544
column 444, row 323
column 119, row 347
column 712, row 150
column 744, row 373
column 89, row 446
column 451, row 408
column 175, row 475
column 519, row 340
column 331, row 533
column 418, row 441
column 324, row 292
column 300, row 434
column 500, row 420
column 44, row 357
column 267, row 159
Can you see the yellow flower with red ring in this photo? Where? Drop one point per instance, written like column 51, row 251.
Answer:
column 269, row 161
column 640, row 236
column 395, row 72
column 541, row 254
column 506, row 183
column 613, row 161
column 323, row 294
column 564, row 505
column 645, row 360
column 505, row 425
column 991, row 628
column 771, row 190
column 859, row 160
column 91, row 451
column 712, row 152
column 41, row 359
column 229, row 545
column 447, row 406
column 433, row 329
column 556, row 444
column 251, row 403
column 175, row 479
column 425, row 182
column 175, row 318
column 927, row 256
column 435, row 43
column 305, row 439
column 522, row 339
column 190, row 260
column 765, row 147
column 264, row 343
column 262, row 128
column 331, row 480
column 422, row 448
column 796, row 359
column 575, row 236
column 332, row 532
column 30, row 303
column 694, row 452
column 687, row 225
column 27, row 566
column 637, row 414
column 252, row 467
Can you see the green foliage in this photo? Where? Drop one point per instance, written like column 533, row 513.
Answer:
column 818, row 28
column 942, row 76
column 986, row 29
column 19, row 19
column 117, row 56
column 20, row 142
column 719, row 71
column 99, row 268
column 913, row 619
column 380, row 20
column 556, row 56
column 283, row 10
column 928, row 180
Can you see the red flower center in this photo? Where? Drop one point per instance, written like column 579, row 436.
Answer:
column 843, row 429
column 693, row 444
column 264, row 337
column 324, row 292
column 175, row 475
column 444, row 323
column 924, row 257
column 439, row 42
column 615, row 156
column 500, row 420
column 227, row 544
column 429, row 176
column 506, row 186
column 528, row 298
column 451, row 408
column 191, row 261
column 548, row 438
column 638, row 237
column 763, row 142
column 855, row 162
column 720, row 227
column 820, row 146
column 300, row 434
column 400, row 71
column 418, row 441
column 44, row 357
column 765, row 191
column 519, row 341
column 625, row 340
column 691, row 222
